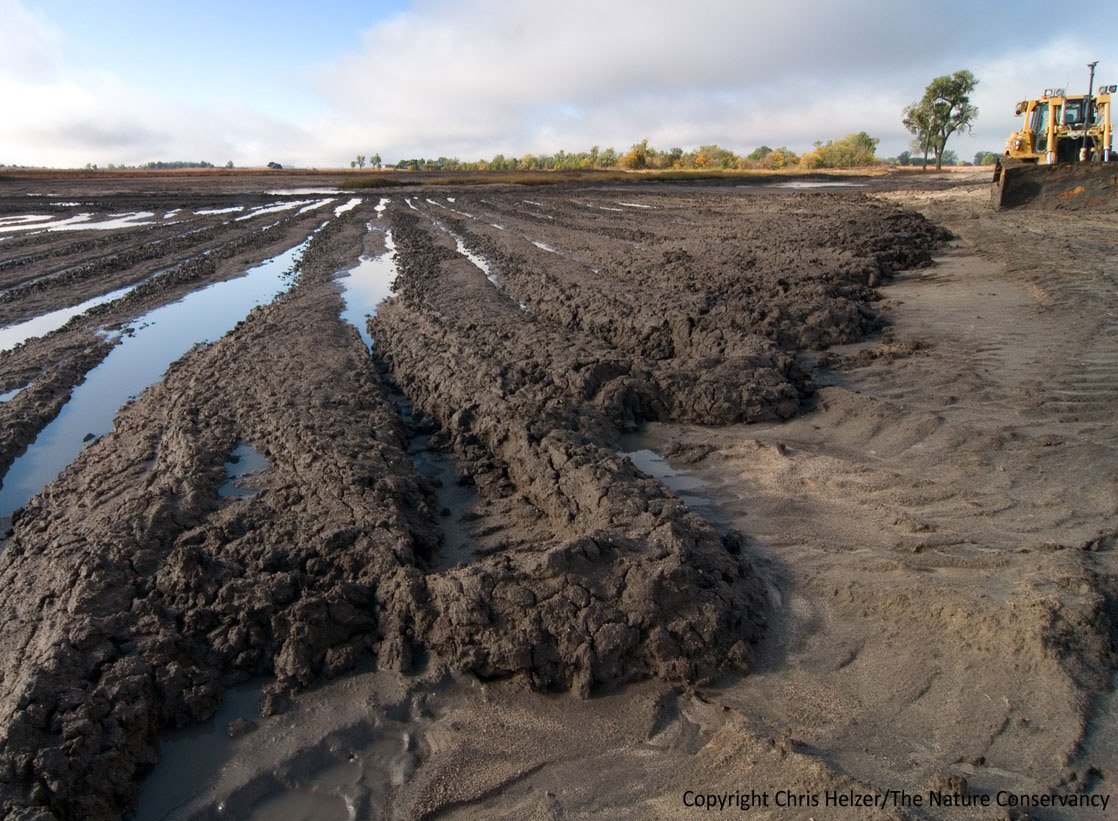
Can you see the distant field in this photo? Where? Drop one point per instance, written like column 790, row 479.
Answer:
column 125, row 173
column 362, row 178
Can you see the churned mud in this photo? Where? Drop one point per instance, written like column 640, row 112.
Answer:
column 640, row 493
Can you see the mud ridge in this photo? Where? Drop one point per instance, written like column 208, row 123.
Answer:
column 630, row 584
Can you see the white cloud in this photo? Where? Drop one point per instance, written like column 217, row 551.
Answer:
column 471, row 78
column 476, row 77
column 29, row 44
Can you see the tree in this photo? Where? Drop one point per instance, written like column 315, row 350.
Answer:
column 359, row 162
column 985, row 158
column 851, row 151
column 918, row 120
column 637, row 156
column 944, row 109
column 375, row 160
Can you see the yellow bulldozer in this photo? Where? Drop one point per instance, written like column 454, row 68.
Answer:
column 1063, row 155
column 1061, row 127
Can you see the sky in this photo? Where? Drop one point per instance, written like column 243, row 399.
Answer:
column 315, row 84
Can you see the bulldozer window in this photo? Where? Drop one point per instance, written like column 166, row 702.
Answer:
column 1074, row 115
column 1040, row 128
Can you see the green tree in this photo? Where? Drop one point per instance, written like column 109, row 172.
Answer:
column 851, row 151
column 985, row 158
column 375, row 160
column 944, row 109
column 918, row 119
column 779, row 158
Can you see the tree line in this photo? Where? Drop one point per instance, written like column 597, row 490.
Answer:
column 849, row 151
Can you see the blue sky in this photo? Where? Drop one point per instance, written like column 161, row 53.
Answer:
column 315, row 83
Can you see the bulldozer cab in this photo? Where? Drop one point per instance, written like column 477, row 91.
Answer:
column 1060, row 128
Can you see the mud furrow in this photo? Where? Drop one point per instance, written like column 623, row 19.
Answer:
column 53, row 365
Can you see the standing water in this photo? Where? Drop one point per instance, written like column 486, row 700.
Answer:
column 150, row 344
column 366, row 285
column 45, row 323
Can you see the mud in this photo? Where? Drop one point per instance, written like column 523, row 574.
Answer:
column 899, row 576
column 162, row 271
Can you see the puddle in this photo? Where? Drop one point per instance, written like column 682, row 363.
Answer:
column 314, row 206
column 543, row 245
column 803, row 184
column 436, row 204
column 297, row 192
column 533, row 202
column 636, row 205
column 381, row 206
column 366, row 285
column 232, row 209
column 453, row 501
column 43, row 325
column 347, row 206
column 81, row 222
column 450, row 199
column 4, row 397
column 243, row 464
column 498, row 227
column 641, row 449
column 24, row 218
column 171, row 213
column 480, row 261
column 609, row 208
column 151, row 343
column 133, row 220
column 189, row 757
column 411, row 205
column 272, row 209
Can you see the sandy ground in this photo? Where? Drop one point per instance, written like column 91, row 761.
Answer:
column 932, row 531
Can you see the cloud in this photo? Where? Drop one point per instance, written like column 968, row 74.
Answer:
column 475, row 77
column 472, row 78
column 29, row 44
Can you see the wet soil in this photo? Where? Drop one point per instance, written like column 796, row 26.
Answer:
column 900, row 576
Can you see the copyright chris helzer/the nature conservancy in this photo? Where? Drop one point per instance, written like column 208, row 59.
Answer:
column 836, row 799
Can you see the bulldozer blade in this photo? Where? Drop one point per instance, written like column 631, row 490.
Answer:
column 1084, row 186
